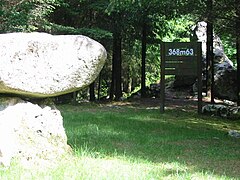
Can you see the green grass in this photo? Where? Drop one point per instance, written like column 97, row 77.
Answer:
column 116, row 142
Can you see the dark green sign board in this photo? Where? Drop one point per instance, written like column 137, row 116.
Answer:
column 182, row 58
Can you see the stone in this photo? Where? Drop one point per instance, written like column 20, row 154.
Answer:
column 215, row 109
column 221, row 110
column 182, row 81
column 224, row 71
column 43, row 65
column 154, row 90
column 234, row 133
column 31, row 134
column 8, row 101
column 225, row 84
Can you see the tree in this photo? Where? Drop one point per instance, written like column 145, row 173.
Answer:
column 117, row 11
column 210, row 61
column 26, row 16
column 81, row 17
column 116, row 85
column 131, row 24
column 141, row 19
column 237, row 9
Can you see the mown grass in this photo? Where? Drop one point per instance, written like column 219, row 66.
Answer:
column 116, row 142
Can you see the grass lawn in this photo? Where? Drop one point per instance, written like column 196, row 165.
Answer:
column 126, row 142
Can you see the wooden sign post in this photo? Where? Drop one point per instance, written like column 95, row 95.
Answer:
column 181, row 58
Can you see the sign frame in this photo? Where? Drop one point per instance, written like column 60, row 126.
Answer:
column 181, row 58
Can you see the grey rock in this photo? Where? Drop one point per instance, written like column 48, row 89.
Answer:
column 225, row 84
column 215, row 109
column 44, row 65
column 220, row 58
column 234, row 133
column 8, row 101
column 224, row 71
column 32, row 135
column 221, row 110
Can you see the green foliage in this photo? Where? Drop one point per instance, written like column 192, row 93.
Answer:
column 179, row 29
column 230, row 47
column 153, row 64
column 95, row 33
column 27, row 16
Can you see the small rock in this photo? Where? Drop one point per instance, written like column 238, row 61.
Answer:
column 234, row 133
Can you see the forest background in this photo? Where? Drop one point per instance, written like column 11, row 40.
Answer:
column 130, row 30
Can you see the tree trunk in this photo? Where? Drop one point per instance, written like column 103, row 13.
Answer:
column 112, row 88
column 210, row 60
column 238, row 51
column 118, row 60
column 144, row 49
column 238, row 67
column 116, row 84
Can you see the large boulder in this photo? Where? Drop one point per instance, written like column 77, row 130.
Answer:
column 44, row 65
column 224, row 71
column 31, row 134
column 220, row 58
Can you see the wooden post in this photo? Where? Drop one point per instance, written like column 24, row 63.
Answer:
column 199, row 74
column 162, row 82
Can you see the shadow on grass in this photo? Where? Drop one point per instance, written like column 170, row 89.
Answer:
column 199, row 142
